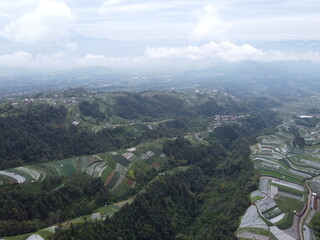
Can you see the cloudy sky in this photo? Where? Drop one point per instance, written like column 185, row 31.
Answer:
column 73, row 33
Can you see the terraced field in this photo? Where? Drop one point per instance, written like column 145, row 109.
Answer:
column 284, row 168
column 116, row 169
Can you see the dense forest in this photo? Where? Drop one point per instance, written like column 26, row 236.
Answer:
column 41, row 132
column 29, row 212
column 203, row 202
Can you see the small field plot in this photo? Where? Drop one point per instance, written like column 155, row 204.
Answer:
column 67, row 167
column 121, row 169
column 108, row 157
column 12, row 177
column 106, row 172
column 18, row 172
column 121, row 160
column 272, row 213
column 123, row 188
column 96, row 168
column 120, row 179
column 55, row 168
column 50, row 170
column 41, row 170
column 110, row 178
column 32, row 173
column 85, row 162
column 140, row 166
column 251, row 219
column 281, row 175
column 256, row 195
column 266, row 204
column 315, row 185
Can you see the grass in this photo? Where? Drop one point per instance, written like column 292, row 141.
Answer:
column 287, row 206
column 109, row 210
column 286, row 222
column 280, row 176
column 288, row 190
column 20, row 237
column 67, row 167
column 256, row 198
column 259, row 231
column 45, row 234
column 131, row 174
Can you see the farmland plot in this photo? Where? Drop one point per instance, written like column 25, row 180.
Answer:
column 121, row 160
column 119, row 181
column 109, row 178
column 16, row 177
column 251, row 219
column 34, row 175
column 277, row 218
column 96, row 169
column 100, row 169
column 121, row 169
column 266, row 204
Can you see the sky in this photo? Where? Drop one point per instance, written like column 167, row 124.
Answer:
column 142, row 33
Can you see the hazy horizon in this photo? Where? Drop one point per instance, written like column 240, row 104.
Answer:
column 130, row 35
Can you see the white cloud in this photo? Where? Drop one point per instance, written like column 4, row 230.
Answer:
column 210, row 24
column 161, row 57
column 49, row 22
column 226, row 51
column 25, row 59
column 55, row 59
column 101, row 60
column 72, row 46
column 16, row 59
column 109, row 3
column 111, row 6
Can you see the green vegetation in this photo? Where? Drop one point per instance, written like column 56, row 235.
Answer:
column 106, row 173
column 289, row 190
column 315, row 224
column 31, row 211
column 259, row 231
column 280, row 176
column 308, row 122
column 203, row 201
column 184, row 190
column 39, row 132
column 256, row 198
column 131, row 174
column 288, row 206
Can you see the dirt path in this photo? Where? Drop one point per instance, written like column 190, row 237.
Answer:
column 304, row 215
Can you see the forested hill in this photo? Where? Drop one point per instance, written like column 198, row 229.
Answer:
column 203, row 202
column 76, row 122
column 198, row 188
